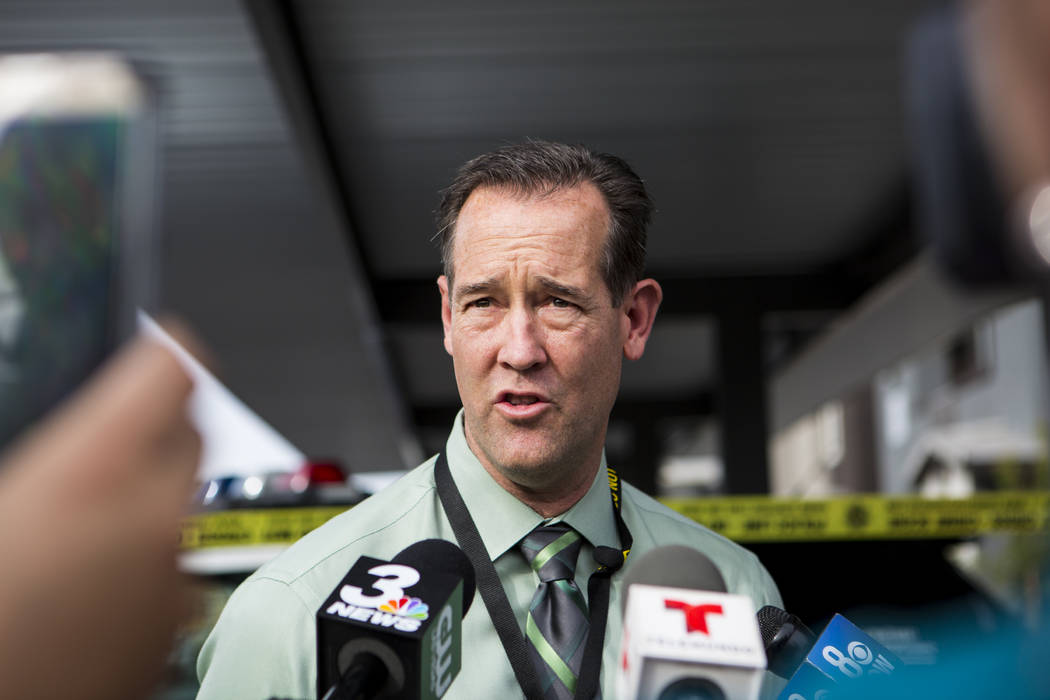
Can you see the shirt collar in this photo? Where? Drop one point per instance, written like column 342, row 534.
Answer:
column 592, row 516
column 502, row 520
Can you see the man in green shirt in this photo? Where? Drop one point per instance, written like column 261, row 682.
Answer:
column 543, row 246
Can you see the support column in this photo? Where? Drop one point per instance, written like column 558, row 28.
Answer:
column 742, row 401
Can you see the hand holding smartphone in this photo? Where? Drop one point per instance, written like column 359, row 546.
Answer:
column 77, row 229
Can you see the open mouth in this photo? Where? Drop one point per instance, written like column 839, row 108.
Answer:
column 522, row 401
column 515, row 400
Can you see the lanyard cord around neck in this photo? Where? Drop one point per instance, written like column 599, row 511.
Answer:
column 609, row 561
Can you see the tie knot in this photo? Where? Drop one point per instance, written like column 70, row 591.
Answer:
column 552, row 551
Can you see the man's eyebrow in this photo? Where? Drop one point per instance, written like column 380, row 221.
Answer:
column 550, row 285
column 480, row 287
column 562, row 290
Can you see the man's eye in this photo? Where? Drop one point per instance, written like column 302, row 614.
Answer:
column 480, row 303
column 560, row 303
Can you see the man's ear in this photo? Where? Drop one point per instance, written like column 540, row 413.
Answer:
column 446, row 312
column 639, row 308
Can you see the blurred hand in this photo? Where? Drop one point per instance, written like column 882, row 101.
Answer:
column 1008, row 43
column 90, row 503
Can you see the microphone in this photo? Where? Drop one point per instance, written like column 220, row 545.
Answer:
column 673, row 566
column 838, row 661
column 785, row 638
column 392, row 629
column 684, row 637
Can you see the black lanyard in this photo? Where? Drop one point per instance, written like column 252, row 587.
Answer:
column 609, row 560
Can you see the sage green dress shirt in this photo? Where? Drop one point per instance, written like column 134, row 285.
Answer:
column 264, row 643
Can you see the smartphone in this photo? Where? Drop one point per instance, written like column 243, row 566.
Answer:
column 78, row 191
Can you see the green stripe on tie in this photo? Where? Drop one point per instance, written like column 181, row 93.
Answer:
column 546, row 651
column 551, row 550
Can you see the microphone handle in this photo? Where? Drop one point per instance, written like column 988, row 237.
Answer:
column 363, row 679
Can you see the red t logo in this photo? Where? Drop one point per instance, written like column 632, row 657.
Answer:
column 695, row 615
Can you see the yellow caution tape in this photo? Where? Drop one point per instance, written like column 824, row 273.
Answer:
column 740, row 518
column 765, row 519
column 242, row 527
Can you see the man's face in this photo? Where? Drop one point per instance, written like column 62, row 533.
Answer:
column 535, row 340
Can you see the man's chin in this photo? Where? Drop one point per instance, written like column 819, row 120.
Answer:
column 530, row 477
column 525, row 462
column 525, row 465
column 524, row 451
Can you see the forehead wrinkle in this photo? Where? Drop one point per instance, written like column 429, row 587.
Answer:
column 498, row 232
column 497, row 254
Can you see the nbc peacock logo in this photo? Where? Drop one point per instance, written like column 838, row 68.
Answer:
column 407, row 607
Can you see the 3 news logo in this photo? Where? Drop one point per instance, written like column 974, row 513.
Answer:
column 416, row 616
column 390, row 607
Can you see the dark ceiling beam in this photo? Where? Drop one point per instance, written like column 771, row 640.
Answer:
column 277, row 29
column 688, row 296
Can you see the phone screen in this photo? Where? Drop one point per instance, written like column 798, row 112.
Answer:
column 63, row 186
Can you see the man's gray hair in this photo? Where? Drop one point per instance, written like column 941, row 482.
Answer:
column 540, row 168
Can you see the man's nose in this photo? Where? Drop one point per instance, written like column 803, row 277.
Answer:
column 521, row 346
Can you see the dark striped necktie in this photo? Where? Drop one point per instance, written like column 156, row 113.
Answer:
column 557, row 623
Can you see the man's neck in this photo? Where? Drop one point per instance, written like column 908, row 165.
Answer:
column 547, row 502
column 549, row 489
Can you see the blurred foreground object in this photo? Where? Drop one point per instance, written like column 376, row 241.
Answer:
column 1008, row 63
column 78, row 235
column 90, row 504
column 979, row 94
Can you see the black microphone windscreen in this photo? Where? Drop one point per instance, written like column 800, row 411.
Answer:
column 785, row 638
column 675, row 566
column 440, row 556
column 770, row 620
